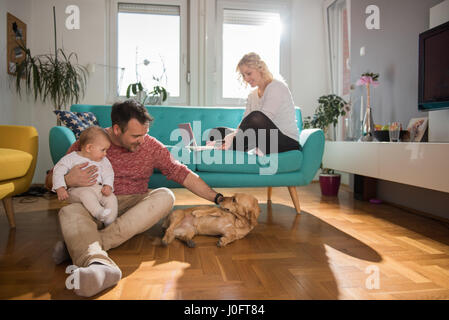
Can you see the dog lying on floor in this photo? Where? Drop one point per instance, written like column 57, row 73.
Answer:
column 232, row 220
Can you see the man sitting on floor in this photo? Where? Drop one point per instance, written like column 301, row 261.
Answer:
column 133, row 155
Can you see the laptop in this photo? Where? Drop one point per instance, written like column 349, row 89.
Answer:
column 189, row 141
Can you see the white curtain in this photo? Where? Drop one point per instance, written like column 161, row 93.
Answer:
column 336, row 11
column 335, row 31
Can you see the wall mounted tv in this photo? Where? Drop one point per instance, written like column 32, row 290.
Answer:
column 434, row 69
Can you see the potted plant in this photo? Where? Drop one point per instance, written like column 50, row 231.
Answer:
column 58, row 78
column 330, row 108
column 155, row 97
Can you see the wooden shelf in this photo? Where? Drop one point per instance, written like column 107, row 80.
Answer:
column 423, row 165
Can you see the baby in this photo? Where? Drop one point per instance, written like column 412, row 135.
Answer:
column 97, row 199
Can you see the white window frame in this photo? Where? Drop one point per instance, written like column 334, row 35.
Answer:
column 283, row 8
column 112, row 59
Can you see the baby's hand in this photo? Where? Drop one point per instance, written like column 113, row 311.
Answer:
column 62, row 194
column 106, row 190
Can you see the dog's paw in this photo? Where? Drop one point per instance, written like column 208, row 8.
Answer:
column 164, row 242
column 220, row 244
column 191, row 243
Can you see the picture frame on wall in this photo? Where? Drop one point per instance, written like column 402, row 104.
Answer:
column 417, row 127
column 16, row 34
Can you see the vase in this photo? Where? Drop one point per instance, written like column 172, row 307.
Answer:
column 368, row 123
column 368, row 126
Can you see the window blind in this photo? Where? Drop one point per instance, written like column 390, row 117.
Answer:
column 149, row 8
column 247, row 17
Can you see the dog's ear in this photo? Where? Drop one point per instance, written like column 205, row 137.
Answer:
column 249, row 209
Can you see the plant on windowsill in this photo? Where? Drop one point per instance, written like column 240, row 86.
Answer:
column 330, row 108
column 154, row 97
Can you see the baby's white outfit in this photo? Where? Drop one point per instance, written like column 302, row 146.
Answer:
column 103, row 208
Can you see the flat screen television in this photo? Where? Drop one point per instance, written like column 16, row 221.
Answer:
column 434, row 69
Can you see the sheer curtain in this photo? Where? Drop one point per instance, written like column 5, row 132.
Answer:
column 338, row 42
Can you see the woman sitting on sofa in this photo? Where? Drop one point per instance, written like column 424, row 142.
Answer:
column 269, row 107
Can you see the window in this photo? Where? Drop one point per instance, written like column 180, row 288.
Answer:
column 149, row 46
column 242, row 30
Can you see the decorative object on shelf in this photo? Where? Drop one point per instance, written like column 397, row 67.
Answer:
column 418, row 129
column 58, row 78
column 384, row 135
column 349, row 120
column 154, row 97
column 330, row 108
column 16, row 31
column 394, row 130
column 367, row 79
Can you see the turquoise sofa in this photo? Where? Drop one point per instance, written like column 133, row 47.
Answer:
column 216, row 167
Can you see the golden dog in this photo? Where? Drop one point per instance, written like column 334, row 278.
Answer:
column 232, row 220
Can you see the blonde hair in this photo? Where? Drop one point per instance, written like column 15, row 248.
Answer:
column 90, row 134
column 253, row 60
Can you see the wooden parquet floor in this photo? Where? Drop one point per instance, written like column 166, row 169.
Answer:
column 337, row 248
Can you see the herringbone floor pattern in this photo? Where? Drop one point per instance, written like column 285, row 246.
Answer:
column 338, row 248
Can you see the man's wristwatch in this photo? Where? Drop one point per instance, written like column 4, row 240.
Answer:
column 217, row 197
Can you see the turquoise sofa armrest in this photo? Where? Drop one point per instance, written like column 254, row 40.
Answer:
column 312, row 142
column 60, row 139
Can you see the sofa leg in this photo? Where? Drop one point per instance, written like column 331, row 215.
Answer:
column 294, row 196
column 7, row 203
column 270, row 189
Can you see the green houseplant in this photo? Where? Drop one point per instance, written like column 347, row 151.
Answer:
column 330, row 108
column 155, row 97
column 56, row 77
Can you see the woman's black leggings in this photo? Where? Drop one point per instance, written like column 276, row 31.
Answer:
column 254, row 126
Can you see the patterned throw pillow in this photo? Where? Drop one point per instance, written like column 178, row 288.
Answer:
column 76, row 121
column 88, row 118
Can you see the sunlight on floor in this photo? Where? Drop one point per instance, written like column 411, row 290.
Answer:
column 151, row 280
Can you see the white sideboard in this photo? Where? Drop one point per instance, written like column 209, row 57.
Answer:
column 424, row 165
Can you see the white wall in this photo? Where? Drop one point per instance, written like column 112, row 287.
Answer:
column 89, row 42
column 309, row 73
column 12, row 110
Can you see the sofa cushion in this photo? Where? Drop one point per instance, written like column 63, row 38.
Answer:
column 76, row 121
column 241, row 162
column 14, row 163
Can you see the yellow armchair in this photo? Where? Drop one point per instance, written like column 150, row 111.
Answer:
column 18, row 156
